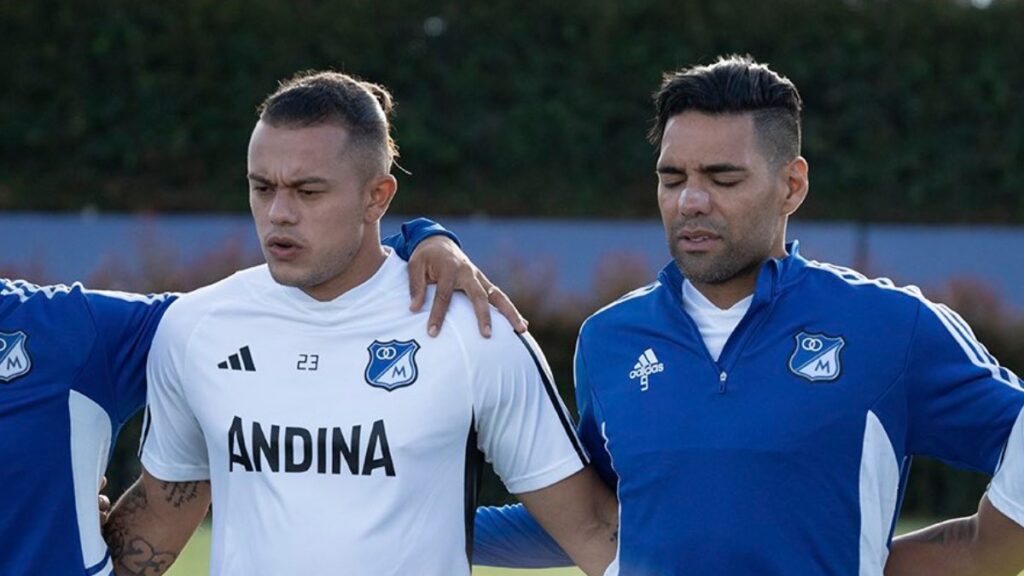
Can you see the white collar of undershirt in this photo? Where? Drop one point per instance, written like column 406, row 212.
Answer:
column 715, row 324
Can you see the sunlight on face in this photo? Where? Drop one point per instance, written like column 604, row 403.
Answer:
column 308, row 202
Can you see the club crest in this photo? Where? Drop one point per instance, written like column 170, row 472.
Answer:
column 816, row 357
column 14, row 358
column 392, row 364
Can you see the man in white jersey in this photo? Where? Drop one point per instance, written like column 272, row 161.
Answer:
column 335, row 435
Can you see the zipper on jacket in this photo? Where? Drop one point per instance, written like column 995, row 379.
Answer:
column 722, row 377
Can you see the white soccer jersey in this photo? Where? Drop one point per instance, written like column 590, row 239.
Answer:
column 338, row 437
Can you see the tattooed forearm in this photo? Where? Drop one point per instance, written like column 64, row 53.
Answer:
column 142, row 560
column 131, row 554
column 151, row 523
column 179, row 493
column 116, row 529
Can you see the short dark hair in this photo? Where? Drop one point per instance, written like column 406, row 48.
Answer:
column 735, row 85
column 362, row 108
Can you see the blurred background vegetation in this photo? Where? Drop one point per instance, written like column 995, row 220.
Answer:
column 913, row 108
column 913, row 114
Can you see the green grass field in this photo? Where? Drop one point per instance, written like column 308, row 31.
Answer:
column 194, row 559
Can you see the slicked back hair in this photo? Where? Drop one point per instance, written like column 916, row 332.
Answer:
column 735, row 85
column 362, row 108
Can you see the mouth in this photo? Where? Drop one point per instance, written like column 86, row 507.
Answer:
column 697, row 240
column 282, row 247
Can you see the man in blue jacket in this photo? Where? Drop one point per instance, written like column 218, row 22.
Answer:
column 756, row 411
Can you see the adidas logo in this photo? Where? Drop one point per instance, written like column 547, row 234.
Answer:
column 646, row 365
column 240, row 361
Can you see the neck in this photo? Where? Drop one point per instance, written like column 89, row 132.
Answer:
column 726, row 294
column 365, row 263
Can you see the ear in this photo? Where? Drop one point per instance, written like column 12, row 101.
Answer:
column 381, row 190
column 796, row 184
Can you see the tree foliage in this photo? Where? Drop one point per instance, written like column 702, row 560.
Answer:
column 913, row 108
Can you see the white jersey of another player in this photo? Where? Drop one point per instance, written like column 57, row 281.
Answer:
column 338, row 437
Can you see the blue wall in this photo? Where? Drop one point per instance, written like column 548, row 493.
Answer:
column 565, row 254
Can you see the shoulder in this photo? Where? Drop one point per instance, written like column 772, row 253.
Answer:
column 830, row 281
column 190, row 308
column 633, row 307
column 23, row 291
column 461, row 321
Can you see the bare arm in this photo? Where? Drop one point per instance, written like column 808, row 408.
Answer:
column 152, row 522
column 582, row 515
column 985, row 544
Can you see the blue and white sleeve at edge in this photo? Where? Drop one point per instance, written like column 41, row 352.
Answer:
column 125, row 324
column 414, row 232
column 964, row 408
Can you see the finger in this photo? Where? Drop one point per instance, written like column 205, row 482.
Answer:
column 417, row 285
column 504, row 304
column 103, row 483
column 104, row 504
column 442, row 298
column 478, row 298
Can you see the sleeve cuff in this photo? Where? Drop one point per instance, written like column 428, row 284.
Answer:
column 175, row 473
column 556, row 473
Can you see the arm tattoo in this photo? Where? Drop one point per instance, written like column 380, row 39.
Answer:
column 178, row 494
column 133, row 554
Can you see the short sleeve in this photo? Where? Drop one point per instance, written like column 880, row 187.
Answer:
column 522, row 425
column 591, row 419
column 1006, row 492
column 125, row 325
column 962, row 404
column 173, row 447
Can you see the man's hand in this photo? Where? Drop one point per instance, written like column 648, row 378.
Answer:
column 986, row 544
column 439, row 260
column 104, row 502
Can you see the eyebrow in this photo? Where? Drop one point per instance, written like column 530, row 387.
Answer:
column 709, row 169
column 291, row 184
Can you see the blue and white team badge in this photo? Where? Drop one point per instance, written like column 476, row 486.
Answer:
column 392, row 364
column 14, row 359
column 816, row 357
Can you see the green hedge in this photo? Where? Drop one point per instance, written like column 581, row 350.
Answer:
column 913, row 107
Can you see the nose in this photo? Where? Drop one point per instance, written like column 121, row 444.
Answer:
column 694, row 201
column 282, row 208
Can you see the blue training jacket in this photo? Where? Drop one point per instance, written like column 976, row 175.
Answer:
column 789, row 454
column 72, row 372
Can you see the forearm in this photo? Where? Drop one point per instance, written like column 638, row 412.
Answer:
column 940, row 549
column 985, row 544
column 152, row 522
column 581, row 514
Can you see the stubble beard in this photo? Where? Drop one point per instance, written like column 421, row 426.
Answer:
column 730, row 262
column 316, row 274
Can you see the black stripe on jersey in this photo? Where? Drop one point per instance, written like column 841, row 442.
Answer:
column 146, row 421
column 247, row 359
column 556, row 402
column 473, row 473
